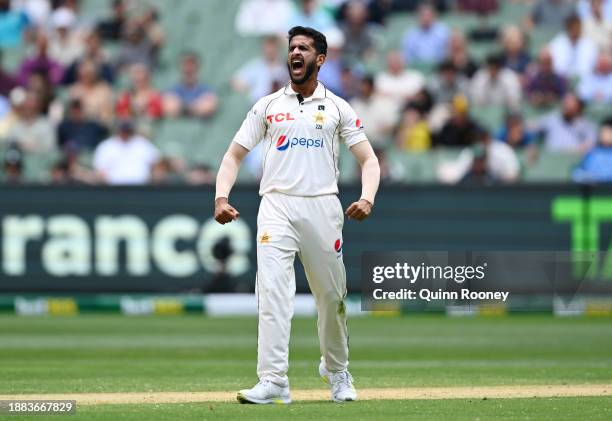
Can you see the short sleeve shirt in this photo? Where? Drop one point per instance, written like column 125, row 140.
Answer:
column 126, row 162
column 301, row 140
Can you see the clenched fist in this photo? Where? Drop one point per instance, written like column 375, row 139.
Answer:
column 359, row 210
column 224, row 212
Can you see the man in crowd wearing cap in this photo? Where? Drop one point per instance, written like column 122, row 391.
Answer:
column 65, row 45
column 126, row 158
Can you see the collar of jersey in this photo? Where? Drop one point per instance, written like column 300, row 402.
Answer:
column 319, row 92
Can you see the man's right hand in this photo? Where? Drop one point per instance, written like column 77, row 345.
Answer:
column 224, row 212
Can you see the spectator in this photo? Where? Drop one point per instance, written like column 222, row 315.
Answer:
column 488, row 161
column 153, row 30
column 447, row 83
column 81, row 23
column 136, row 48
column 96, row 54
column 480, row 7
column 11, row 115
column 413, row 133
column 428, row 42
column 5, row 108
column 309, row 13
column 598, row 27
column 12, row 165
column 412, row 5
column 13, row 25
column 460, row 129
column 397, row 82
column 597, row 87
column 567, row 130
column 515, row 55
column 363, row 35
column 379, row 114
column 331, row 73
column 141, row 100
column 61, row 172
column 544, row 87
column 37, row 11
column 190, row 97
column 390, row 172
column 78, row 132
column 495, row 85
column 585, row 9
column 263, row 17
column 550, row 13
column 258, row 75
column 201, row 175
column 32, row 132
column 7, row 80
column 597, row 164
column 168, row 171
column 350, row 82
column 424, row 101
column 379, row 10
column 94, row 93
column 65, row 46
column 459, row 56
column 41, row 62
column 125, row 158
column 39, row 84
column 573, row 54
column 515, row 132
column 112, row 28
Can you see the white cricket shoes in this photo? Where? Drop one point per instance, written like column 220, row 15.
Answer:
column 340, row 383
column 265, row 392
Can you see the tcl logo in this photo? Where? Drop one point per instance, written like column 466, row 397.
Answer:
column 280, row 117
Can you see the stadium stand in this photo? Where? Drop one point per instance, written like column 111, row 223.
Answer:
column 208, row 29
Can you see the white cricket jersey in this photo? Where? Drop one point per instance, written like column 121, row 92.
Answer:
column 300, row 141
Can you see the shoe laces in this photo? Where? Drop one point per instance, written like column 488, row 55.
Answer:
column 342, row 379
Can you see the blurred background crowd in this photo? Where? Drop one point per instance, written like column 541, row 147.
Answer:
column 450, row 91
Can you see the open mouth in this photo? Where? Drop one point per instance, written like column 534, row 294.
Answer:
column 297, row 65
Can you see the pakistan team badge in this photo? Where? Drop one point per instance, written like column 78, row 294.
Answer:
column 319, row 119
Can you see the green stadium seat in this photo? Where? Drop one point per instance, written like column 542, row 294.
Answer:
column 419, row 167
column 598, row 112
column 37, row 167
column 551, row 167
column 489, row 117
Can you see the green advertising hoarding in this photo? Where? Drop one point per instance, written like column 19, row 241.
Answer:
column 163, row 238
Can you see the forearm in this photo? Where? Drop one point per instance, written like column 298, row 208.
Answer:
column 370, row 170
column 226, row 177
column 370, row 178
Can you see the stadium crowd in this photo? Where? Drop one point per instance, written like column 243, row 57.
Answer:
column 64, row 98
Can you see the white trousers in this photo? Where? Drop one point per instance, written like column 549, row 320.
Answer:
column 312, row 228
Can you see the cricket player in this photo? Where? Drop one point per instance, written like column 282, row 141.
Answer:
column 301, row 127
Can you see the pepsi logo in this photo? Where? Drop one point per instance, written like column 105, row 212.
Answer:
column 282, row 143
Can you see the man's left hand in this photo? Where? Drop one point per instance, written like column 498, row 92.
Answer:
column 359, row 210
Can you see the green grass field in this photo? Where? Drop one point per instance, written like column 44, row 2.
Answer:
column 108, row 353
